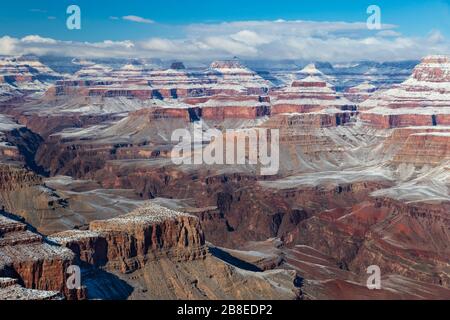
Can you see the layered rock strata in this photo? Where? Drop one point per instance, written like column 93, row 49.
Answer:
column 33, row 262
column 163, row 254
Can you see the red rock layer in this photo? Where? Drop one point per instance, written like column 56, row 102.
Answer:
column 164, row 113
column 402, row 239
column 306, row 121
column 421, row 100
column 36, row 264
column 425, row 149
column 128, row 242
column 13, row 178
column 387, row 121
column 411, row 242
column 310, row 94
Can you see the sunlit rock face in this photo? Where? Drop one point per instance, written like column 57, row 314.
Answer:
column 423, row 99
column 38, row 264
column 231, row 76
column 26, row 68
column 233, row 92
column 153, row 242
column 23, row 76
column 309, row 94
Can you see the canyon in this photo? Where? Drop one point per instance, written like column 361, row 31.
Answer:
column 87, row 179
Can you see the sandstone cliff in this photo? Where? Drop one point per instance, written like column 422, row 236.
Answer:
column 162, row 254
column 34, row 262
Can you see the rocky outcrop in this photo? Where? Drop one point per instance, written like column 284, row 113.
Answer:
column 163, row 255
column 433, row 69
column 390, row 234
column 53, row 205
column 231, row 77
column 25, row 68
column 23, row 193
column 310, row 94
column 8, row 152
column 32, row 260
column 14, row 178
column 127, row 243
column 10, row 289
column 22, row 76
column 323, row 277
column 384, row 118
column 421, row 100
column 427, row 148
column 415, row 235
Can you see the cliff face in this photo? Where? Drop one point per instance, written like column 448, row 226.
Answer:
column 34, row 262
column 310, row 94
column 10, row 289
column 415, row 235
column 230, row 112
column 162, row 254
column 304, row 122
column 386, row 119
column 384, row 232
column 430, row 148
column 24, row 193
column 13, row 178
column 421, row 100
column 127, row 242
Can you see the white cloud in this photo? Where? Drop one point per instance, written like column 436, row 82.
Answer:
column 161, row 45
column 113, row 44
column 284, row 28
column 230, row 46
column 250, row 38
column 389, row 33
column 300, row 40
column 435, row 36
column 38, row 39
column 138, row 19
column 8, row 45
column 38, row 10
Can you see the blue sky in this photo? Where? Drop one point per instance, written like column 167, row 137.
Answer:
column 180, row 19
column 23, row 17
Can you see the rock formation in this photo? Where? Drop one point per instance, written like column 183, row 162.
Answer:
column 163, row 253
column 420, row 100
column 309, row 94
column 360, row 93
column 10, row 289
column 33, row 263
column 362, row 180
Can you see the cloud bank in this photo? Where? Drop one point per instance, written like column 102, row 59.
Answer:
column 268, row 40
column 138, row 19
